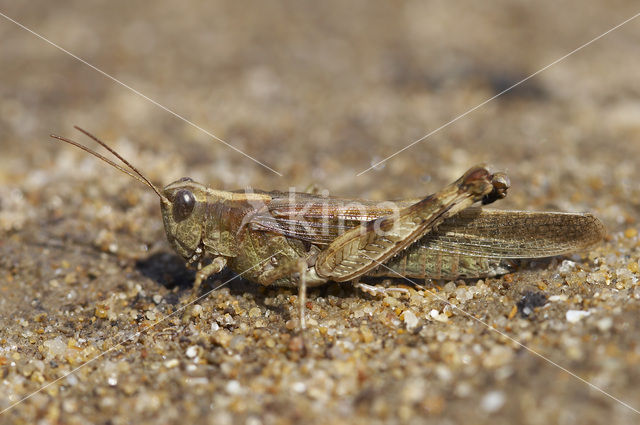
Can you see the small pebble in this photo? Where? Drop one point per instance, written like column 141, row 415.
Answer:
column 604, row 324
column 222, row 337
column 599, row 277
column 196, row 311
column 391, row 302
column 436, row 315
column 574, row 316
column 492, row 401
column 410, row 320
column 450, row 287
column 192, row 351
column 56, row 347
column 233, row 387
column 463, row 294
column 101, row 312
column 72, row 380
column 171, row 363
column 299, row 387
column 558, row 298
column 566, row 267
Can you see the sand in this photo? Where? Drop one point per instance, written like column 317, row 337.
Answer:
column 319, row 93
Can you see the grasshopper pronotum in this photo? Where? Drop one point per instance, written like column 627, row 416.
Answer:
column 310, row 239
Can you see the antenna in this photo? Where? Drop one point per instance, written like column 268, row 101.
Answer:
column 138, row 175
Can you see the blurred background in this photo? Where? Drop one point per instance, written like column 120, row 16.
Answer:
column 319, row 92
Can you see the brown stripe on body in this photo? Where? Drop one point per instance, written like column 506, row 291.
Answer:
column 438, row 268
column 454, row 265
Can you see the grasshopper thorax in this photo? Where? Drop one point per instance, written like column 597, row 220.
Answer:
column 183, row 213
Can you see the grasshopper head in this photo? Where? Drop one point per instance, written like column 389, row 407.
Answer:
column 183, row 211
column 183, row 202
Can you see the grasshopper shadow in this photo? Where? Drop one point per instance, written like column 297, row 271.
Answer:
column 167, row 269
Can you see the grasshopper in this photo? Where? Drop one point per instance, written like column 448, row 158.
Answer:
column 303, row 239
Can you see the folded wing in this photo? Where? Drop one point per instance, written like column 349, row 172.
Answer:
column 476, row 231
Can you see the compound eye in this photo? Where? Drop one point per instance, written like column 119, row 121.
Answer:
column 183, row 204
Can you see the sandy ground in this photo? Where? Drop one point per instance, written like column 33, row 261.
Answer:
column 318, row 92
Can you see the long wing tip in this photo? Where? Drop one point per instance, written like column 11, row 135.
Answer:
column 594, row 231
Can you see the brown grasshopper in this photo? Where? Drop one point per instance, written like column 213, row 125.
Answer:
column 303, row 239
